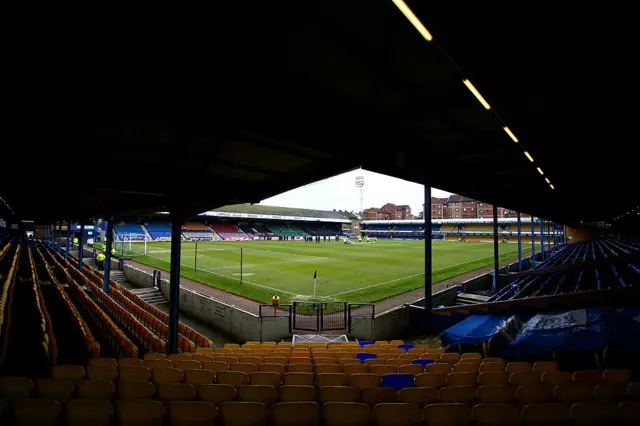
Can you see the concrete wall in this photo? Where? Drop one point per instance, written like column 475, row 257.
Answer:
column 136, row 276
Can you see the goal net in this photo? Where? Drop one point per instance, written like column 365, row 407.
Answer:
column 130, row 245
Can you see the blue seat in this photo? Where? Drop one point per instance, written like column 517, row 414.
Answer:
column 362, row 343
column 406, row 346
column 423, row 362
column 397, row 380
column 362, row 356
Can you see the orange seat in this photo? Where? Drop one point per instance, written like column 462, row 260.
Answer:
column 381, row 370
column 458, row 394
column 495, row 414
column 446, row 414
column 430, row 380
column 534, row 394
column 588, row 377
column 496, row 394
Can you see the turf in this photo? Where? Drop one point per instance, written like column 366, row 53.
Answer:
column 351, row 272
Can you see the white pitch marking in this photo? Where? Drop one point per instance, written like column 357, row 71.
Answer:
column 268, row 263
column 407, row 277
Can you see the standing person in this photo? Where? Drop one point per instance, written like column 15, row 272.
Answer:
column 100, row 260
column 75, row 241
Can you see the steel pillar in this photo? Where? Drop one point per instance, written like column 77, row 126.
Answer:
column 496, row 259
column 428, row 265
column 59, row 235
column 533, row 241
column 107, row 260
column 66, row 252
column 174, row 282
column 541, row 239
column 81, row 245
column 519, row 243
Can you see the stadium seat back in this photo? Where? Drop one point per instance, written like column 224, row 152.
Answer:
column 419, row 396
column 300, row 368
column 130, row 362
column 629, row 412
column 465, row 368
column 618, row 375
column 136, row 390
column 458, row 394
column 159, row 363
column 413, row 369
column 134, row 374
column 98, row 372
column 496, row 394
column 396, row 413
column 534, row 394
column 495, row 415
column 187, row 365
column 493, row 378
column 192, row 413
column 104, row 362
column 327, row 369
column 446, row 414
column 153, row 356
column 587, row 377
column 217, row 393
column 379, row 395
column 555, row 378
column 487, row 367
column 202, row 358
column 306, row 379
column 244, row 413
column 365, row 380
column 267, row 395
column 295, row 413
column 339, row 394
column 199, row 377
column 471, row 356
column 166, row 375
column 96, row 389
column 438, row 368
column 93, row 412
column 275, row 360
column 179, row 357
column 265, row 378
column 461, row 379
column 545, row 366
column 244, row 367
column 177, row 392
column 381, row 370
column 54, row 389
column 294, row 393
column 68, row 372
column 610, row 392
column 633, row 391
column 519, row 367
column 356, row 369
column 41, row 412
column 551, row 414
column 572, row 393
column 140, row 413
column 593, row 413
column 15, row 387
column 215, row 366
column 346, row 413
column 331, row 379
column 521, row 379
column 430, row 380
column 233, row 378
column 272, row 368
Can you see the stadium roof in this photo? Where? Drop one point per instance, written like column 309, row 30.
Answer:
column 127, row 114
column 281, row 211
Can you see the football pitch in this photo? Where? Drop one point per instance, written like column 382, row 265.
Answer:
column 364, row 272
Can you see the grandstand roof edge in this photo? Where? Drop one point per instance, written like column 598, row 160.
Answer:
column 443, row 221
column 272, row 217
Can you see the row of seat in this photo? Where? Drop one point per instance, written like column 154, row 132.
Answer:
column 47, row 337
column 239, row 413
column 7, row 279
column 116, row 337
column 190, row 338
column 92, row 345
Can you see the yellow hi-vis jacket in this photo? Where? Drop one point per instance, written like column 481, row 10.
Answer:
column 101, row 257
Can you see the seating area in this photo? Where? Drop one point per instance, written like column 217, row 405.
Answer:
column 229, row 231
column 128, row 231
column 322, row 230
column 576, row 280
column 371, row 383
column 158, row 229
column 195, row 231
column 284, row 231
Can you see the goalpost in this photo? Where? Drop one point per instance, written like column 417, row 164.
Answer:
column 130, row 245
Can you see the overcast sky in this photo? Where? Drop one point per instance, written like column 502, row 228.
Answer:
column 340, row 193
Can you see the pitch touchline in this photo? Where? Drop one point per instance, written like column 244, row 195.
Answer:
column 407, row 277
column 230, row 277
column 265, row 264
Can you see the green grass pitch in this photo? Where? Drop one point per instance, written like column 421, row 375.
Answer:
column 352, row 272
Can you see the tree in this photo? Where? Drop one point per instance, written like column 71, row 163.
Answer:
column 420, row 215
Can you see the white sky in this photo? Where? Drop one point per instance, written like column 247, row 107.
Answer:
column 340, row 193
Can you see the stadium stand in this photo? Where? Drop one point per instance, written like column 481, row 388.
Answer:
column 282, row 230
column 126, row 230
column 229, row 231
column 199, row 231
column 158, row 229
column 413, row 388
column 329, row 230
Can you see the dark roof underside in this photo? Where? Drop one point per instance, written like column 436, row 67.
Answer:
column 243, row 103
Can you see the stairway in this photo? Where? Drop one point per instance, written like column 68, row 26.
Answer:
column 469, row 299
column 150, row 295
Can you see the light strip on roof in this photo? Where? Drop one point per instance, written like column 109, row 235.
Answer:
column 552, row 187
column 510, row 133
column 477, row 94
column 413, row 19
column 548, row 181
column 528, row 156
column 540, row 171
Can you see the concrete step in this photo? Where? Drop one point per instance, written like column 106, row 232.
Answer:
column 150, row 295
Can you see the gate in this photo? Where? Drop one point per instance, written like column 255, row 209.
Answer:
column 333, row 316
column 320, row 316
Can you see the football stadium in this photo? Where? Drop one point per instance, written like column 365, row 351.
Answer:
column 147, row 277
